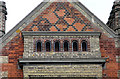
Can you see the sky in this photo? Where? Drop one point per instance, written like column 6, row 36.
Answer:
column 18, row 9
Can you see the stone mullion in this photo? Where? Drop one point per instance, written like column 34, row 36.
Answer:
column 32, row 45
column 88, row 46
column 70, row 45
column 79, row 45
column 42, row 49
column 61, row 45
column 52, row 45
column 43, row 46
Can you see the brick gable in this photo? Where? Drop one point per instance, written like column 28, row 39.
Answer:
column 60, row 16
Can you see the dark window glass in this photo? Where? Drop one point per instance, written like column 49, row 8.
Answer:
column 84, row 46
column 66, row 46
column 39, row 47
column 75, row 46
column 48, row 46
column 57, row 46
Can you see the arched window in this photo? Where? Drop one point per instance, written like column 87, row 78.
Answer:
column 48, row 46
column 39, row 46
column 66, row 46
column 75, row 46
column 84, row 45
column 57, row 46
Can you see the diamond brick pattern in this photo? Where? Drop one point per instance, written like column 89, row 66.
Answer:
column 60, row 16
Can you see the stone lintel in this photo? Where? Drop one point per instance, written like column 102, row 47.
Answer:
column 48, row 33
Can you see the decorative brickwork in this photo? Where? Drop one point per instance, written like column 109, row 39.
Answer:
column 61, row 16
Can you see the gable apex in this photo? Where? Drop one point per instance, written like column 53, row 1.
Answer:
column 60, row 1
column 45, row 4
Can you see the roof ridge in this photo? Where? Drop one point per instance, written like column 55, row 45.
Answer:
column 60, row 1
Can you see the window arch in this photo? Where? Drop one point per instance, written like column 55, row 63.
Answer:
column 48, row 46
column 38, row 46
column 75, row 45
column 57, row 46
column 66, row 46
column 84, row 45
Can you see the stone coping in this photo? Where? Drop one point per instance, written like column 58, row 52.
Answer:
column 2, row 3
column 62, row 60
column 48, row 33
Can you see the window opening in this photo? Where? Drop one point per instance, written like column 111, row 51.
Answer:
column 75, row 46
column 66, row 46
column 48, row 46
column 39, row 47
column 57, row 46
column 84, row 46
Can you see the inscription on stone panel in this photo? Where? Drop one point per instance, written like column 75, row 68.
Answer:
column 67, row 70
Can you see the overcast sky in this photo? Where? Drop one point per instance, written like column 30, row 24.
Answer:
column 18, row 9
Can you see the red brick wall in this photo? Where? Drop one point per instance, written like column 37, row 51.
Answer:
column 14, row 50
column 107, row 48
column 48, row 21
